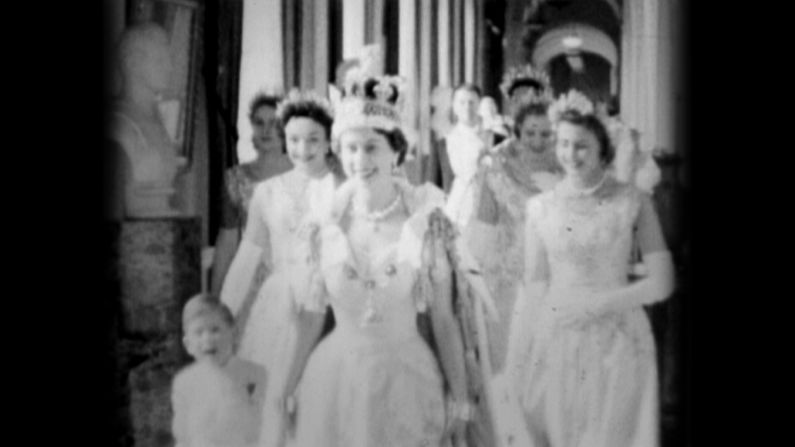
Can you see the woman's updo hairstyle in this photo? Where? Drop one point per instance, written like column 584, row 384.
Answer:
column 262, row 100
column 527, row 110
column 575, row 108
column 305, row 105
column 308, row 104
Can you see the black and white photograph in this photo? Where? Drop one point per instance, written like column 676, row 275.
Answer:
column 407, row 223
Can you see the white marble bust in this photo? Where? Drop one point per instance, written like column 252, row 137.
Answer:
column 150, row 156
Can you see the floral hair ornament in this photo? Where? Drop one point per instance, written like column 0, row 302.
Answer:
column 370, row 101
column 572, row 100
column 296, row 96
column 527, row 73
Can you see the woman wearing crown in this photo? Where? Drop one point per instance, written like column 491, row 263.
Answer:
column 383, row 254
column 272, row 327
column 512, row 172
column 581, row 353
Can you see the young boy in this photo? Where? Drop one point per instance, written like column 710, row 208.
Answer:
column 217, row 400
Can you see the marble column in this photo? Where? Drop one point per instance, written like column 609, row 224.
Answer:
column 353, row 27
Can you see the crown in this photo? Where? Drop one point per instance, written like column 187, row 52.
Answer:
column 573, row 100
column 370, row 101
column 526, row 73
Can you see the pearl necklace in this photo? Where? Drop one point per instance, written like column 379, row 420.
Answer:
column 581, row 192
column 376, row 216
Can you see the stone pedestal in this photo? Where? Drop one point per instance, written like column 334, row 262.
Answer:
column 158, row 268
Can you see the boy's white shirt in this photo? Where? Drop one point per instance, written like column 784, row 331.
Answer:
column 218, row 406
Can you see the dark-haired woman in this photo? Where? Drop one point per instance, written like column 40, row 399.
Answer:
column 581, row 352
column 280, row 207
column 268, row 140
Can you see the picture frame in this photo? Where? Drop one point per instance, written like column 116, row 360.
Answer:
column 181, row 19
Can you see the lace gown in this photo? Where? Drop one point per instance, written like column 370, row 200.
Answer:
column 594, row 383
column 502, row 192
column 276, row 217
column 373, row 381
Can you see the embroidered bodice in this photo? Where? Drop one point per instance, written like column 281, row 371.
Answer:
column 588, row 240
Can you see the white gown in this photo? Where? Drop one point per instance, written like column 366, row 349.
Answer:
column 273, row 236
column 373, row 381
column 591, row 384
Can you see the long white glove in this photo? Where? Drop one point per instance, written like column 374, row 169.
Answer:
column 240, row 275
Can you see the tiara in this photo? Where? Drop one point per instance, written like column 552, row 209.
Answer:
column 370, row 101
column 306, row 97
column 523, row 73
column 573, row 100
column 531, row 97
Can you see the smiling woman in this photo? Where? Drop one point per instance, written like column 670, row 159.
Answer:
column 379, row 261
column 277, row 326
column 240, row 180
column 307, row 144
column 581, row 352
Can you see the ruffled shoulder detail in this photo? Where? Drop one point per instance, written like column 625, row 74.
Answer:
column 421, row 199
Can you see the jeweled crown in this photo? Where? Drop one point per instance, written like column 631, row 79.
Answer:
column 370, row 101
